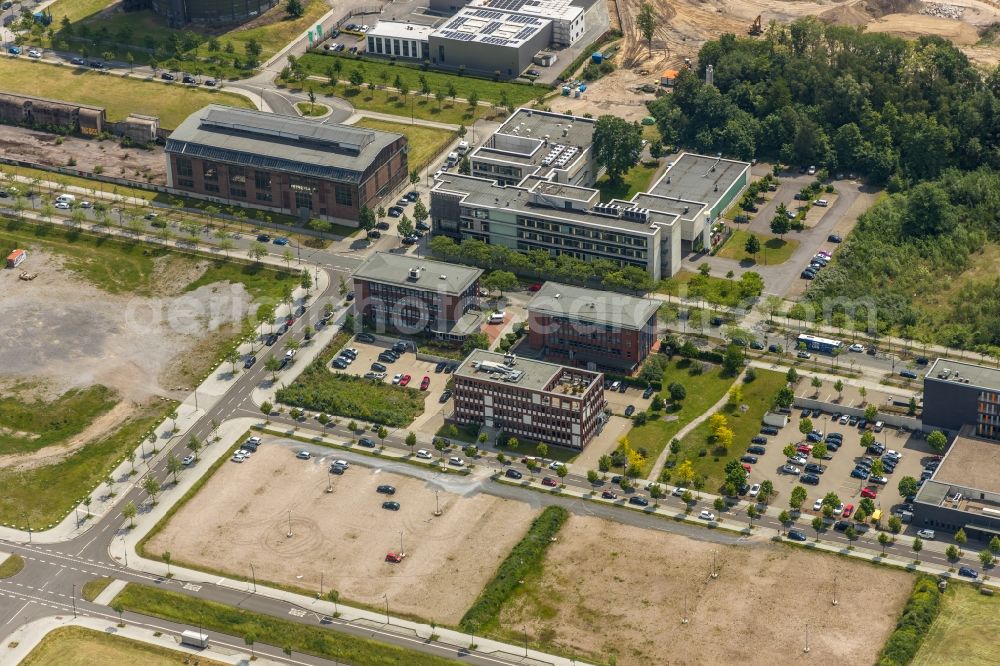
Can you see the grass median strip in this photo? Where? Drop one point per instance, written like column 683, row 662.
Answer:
column 525, row 557
column 267, row 629
column 11, row 566
column 93, row 588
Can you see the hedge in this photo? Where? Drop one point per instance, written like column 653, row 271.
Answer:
column 918, row 615
column 524, row 558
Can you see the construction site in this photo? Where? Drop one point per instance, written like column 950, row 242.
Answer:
column 683, row 26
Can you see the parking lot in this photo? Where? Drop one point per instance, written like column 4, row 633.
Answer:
column 837, row 477
column 618, row 402
column 406, row 365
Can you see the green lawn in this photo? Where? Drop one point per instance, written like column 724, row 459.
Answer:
column 78, row 646
column 353, row 397
column 120, row 96
column 140, row 33
column 636, row 180
column 703, row 390
column 232, row 621
column 65, row 483
column 773, row 250
column 27, row 426
column 964, row 632
column 425, row 142
column 309, row 109
column 757, row 395
column 11, row 566
column 417, row 106
column 518, row 94
column 717, row 290
column 93, row 588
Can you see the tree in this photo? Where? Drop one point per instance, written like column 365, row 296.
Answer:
column 766, row 491
column 732, row 360
column 174, row 466
column 166, row 558
column 784, row 397
column 152, row 488
column 232, row 357
column 960, row 538
column 789, row 451
column 604, row 463
column 817, row 384
column 792, row 377
column 617, row 145
column 513, row 443
column 646, row 22
column 420, row 213
column 411, row 439
column 784, row 517
column 500, row 281
column 831, row 499
column 405, row 227
column 257, row 251
column 862, row 391
column 382, row 433
column 129, row 512
column 819, row 450
column 249, row 638
column 797, row 497
column 267, row 407
column 878, row 467
column 685, row 472
column 895, row 524
column 871, row 413
column 867, row 439
column 356, row 77
column 677, row 391
column 752, row 246
column 780, row 225
column 751, row 514
column 194, row 446
column 477, row 340
column 593, row 477
column 986, row 557
column 817, row 524
column 272, row 365
column 952, row 553
column 917, row 546
column 838, row 386
column 542, row 449
column 805, row 425
column 995, row 545
column 937, row 440
column 736, row 396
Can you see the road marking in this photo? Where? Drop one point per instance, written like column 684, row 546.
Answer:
column 297, row 612
column 192, row 587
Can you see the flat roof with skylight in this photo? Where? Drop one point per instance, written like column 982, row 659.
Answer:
column 522, row 372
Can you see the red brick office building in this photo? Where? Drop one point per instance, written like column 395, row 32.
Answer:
column 413, row 295
column 304, row 168
column 533, row 401
column 591, row 328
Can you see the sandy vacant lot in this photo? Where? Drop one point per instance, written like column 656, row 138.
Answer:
column 610, row 589
column 241, row 516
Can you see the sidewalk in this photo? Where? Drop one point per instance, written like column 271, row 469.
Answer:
column 124, row 549
column 28, row 636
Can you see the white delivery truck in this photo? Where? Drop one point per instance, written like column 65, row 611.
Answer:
column 194, row 638
column 66, row 198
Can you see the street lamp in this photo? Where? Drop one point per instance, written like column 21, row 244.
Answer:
column 27, row 521
column 386, row 597
column 253, row 575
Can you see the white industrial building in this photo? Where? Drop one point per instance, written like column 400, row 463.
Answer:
column 402, row 40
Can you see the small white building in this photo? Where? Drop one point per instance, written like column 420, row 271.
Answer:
column 402, row 40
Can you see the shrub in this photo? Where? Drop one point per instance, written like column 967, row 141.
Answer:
column 525, row 557
column 918, row 614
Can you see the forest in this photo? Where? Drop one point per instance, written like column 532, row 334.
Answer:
column 808, row 93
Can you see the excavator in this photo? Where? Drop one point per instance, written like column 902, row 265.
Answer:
column 755, row 28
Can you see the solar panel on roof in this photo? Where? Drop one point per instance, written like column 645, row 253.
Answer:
column 459, row 36
column 526, row 20
column 485, row 13
column 525, row 33
column 457, row 21
column 490, row 28
column 498, row 41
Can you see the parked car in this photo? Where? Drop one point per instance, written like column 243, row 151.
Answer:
column 870, row 493
column 607, row 494
column 405, row 380
column 302, row 455
column 796, row 535
column 456, row 462
column 630, row 410
column 425, row 383
column 968, row 572
column 811, row 479
column 424, row 454
column 444, row 396
column 391, row 506
column 756, row 450
column 835, row 238
column 167, row 76
column 909, row 374
column 791, row 469
column 512, row 473
column 749, row 459
column 365, row 337
column 366, row 442
column 247, row 364
column 706, row 515
column 188, row 460
column 926, row 534
column 386, row 489
column 549, row 481
column 638, row 500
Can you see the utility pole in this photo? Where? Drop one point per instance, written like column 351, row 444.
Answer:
column 289, row 535
column 684, row 619
column 386, row 597
column 74, row 600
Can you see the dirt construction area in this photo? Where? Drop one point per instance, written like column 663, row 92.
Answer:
column 608, row 589
column 685, row 25
column 242, row 515
column 28, row 145
column 69, row 333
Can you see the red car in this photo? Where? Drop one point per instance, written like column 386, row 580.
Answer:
column 869, row 493
column 747, row 468
column 607, row 494
column 405, row 380
column 425, row 383
column 804, row 448
column 549, row 481
column 535, row 287
column 393, row 557
column 848, row 510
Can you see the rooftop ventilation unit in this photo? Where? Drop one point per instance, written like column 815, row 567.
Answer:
column 636, row 214
column 414, row 273
column 612, row 210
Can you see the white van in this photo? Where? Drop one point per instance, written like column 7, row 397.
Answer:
column 497, row 317
column 879, row 425
column 462, row 147
column 66, row 198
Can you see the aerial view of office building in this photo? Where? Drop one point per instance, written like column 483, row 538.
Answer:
column 532, row 187
column 292, row 165
column 959, row 394
column 412, row 295
column 179, row 13
column 596, row 329
column 530, row 400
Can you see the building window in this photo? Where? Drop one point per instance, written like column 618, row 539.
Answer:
column 303, row 200
column 262, row 182
column 406, row 49
column 342, row 195
column 184, row 168
column 185, row 182
column 395, row 46
column 237, row 182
